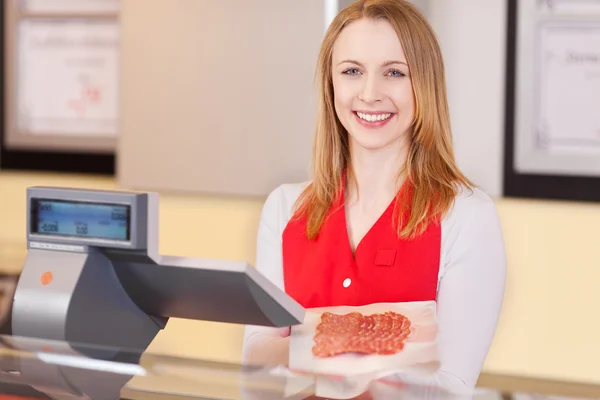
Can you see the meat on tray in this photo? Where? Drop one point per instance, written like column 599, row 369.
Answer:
column 356, row 333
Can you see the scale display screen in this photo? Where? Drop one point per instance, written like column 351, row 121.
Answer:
column 80, row 219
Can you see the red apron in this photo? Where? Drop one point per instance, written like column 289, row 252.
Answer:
column 324, row 272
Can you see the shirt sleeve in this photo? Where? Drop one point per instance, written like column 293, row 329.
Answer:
column 268, row 345
column 470, row 296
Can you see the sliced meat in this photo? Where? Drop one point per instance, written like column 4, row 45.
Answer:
column 383, row 333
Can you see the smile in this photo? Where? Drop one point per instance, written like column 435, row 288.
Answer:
column 374, row 117
column 373, row 120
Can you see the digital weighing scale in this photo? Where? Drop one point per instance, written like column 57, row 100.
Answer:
column 94, row 284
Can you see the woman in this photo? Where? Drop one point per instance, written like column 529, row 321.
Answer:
column 388, row 216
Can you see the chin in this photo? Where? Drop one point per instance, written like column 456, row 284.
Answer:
column 371, row 143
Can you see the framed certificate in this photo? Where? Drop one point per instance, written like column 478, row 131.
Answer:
column 553, row 100
column 61, row 74
column 67, row 75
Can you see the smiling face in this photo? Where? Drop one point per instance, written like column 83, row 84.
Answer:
column 373, row 93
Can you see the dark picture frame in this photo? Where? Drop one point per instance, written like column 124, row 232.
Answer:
column 42, row 160
column 533, row 186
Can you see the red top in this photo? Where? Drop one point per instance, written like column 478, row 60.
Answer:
column 384, row 269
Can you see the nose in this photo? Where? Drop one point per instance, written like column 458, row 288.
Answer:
column 370, row 91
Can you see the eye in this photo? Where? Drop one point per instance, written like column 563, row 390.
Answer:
column 351, row 71
column 396, row 73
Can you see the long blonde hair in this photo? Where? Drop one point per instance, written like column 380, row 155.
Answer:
column 431, row 171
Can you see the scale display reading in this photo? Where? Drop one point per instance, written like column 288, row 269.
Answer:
column 81, row 219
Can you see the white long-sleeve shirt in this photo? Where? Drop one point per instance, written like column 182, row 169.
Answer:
column 471, row 282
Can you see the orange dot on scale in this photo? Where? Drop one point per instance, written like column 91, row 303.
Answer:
column 46, row 278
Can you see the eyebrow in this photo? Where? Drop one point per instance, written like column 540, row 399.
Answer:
column 385, row 64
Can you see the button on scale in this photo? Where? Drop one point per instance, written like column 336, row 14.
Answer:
column 347, row 282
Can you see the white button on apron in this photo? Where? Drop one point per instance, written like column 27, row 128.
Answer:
column 347, row 282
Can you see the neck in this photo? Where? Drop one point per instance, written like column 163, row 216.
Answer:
column 376, row 174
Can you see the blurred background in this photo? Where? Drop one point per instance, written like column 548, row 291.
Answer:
column 211, row 103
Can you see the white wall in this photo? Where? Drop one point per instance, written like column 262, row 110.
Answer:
column 225, row 115
column 472, row 35
column 422, row 4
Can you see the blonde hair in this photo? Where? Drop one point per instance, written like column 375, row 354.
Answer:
column 432, row 175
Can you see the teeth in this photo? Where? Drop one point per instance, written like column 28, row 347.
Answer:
column 374, row 118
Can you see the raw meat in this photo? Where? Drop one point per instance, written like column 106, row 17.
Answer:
column 356, row 333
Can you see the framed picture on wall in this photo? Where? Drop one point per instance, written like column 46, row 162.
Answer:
column 60, row 73
column 552, row 147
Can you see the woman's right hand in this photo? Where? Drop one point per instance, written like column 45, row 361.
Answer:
column 267, row 348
